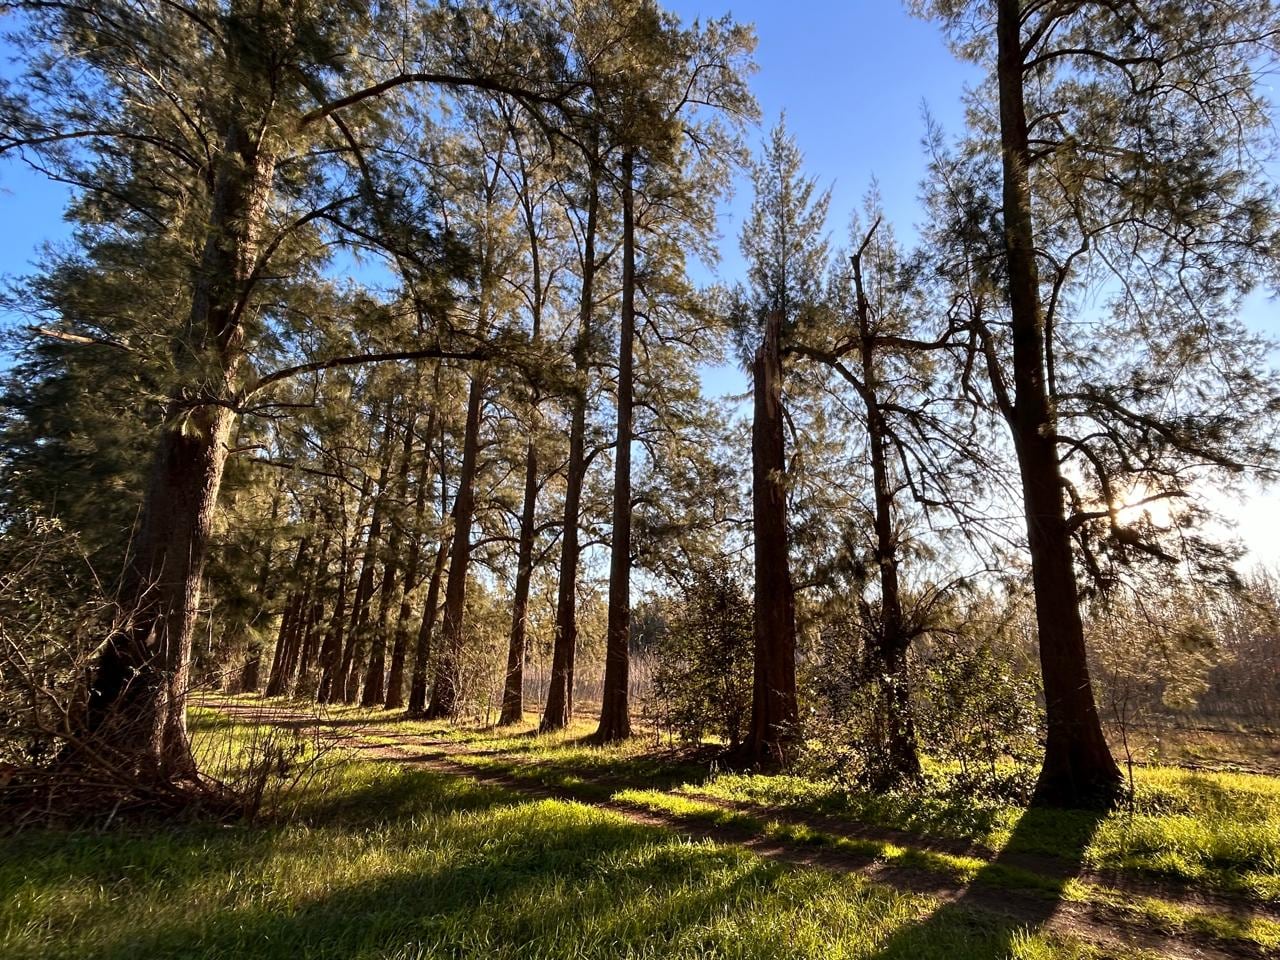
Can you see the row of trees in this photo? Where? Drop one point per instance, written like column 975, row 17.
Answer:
column 376, row 311
column 1117, row 153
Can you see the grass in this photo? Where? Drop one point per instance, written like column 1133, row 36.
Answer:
column 1217, row 830
column 1162, row 914
column 384, row 861
column 1211, row 830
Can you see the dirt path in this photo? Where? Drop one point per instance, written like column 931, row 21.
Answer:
column 1109, row 928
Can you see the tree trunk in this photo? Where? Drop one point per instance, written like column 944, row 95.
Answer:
column 275, row 679
column 774, row 713
column 422, row 649
column 331, row 649
column 137, row 703
column 1078, row 767
column 304, row 683
column 296, row 609
column 137, row 707
column 615, row 715
column 417, row 706
column 357, row 633
column 329, row 688
column 887, row 654
column 513, row 688
column 250, row 674
column 400, row 648
column 446, row 687
column 558, row 710
column 375, row 676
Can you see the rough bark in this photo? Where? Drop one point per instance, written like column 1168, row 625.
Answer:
column 1078, row 767
column 773, row 700
column 137, row 704
column 136, row 710
column 446, row 686
column 400, row 646
column 615, row 714
column 513, row 687
column 558, row 709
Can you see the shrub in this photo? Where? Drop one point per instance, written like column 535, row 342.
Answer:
column 702, row 684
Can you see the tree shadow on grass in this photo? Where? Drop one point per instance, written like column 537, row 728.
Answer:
column 988, row 917
column 592, row 886
column 136, row 858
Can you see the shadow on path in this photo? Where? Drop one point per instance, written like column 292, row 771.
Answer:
column 969, row 919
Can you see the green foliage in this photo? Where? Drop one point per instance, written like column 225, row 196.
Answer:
column 1155, row 214
column 702, row 685
column 783, row 240
column 982, row 714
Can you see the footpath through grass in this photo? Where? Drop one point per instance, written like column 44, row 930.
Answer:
column 387, row 861
column 1210, row 841
column 1217, row 832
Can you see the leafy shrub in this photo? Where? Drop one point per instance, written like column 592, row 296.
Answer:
column 975, row 702
column 981, row 713
column 702, row 685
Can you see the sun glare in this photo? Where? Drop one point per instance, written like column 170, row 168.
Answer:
column 1142, row 501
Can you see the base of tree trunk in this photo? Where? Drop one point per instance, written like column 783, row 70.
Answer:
column 1067, row 791
column 761, row 755
column 552, row 724
column 611, row 731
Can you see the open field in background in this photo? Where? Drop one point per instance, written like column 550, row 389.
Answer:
column 409, row 839
column 1200, row 744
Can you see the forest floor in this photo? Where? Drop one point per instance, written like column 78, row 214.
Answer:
column 399, row 839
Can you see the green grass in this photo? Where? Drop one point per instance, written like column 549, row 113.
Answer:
column 383, row 861
column 1218, row 830
column 1162, row 914
column 1215, row 830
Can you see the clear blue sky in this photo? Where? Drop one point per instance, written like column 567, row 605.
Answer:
column 853, row 77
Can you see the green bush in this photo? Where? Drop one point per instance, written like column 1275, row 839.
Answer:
column 702, row 684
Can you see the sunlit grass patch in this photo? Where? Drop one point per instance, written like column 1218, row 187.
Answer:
column 1217, row 829
column 388, row 861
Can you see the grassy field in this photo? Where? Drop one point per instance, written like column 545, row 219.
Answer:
column 1217, row 831
column 383, row 859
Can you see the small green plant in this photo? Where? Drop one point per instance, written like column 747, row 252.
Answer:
column 981, row 718
column 702, row 685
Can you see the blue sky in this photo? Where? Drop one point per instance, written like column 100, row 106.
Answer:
column 854, row 79
column 853, row 76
